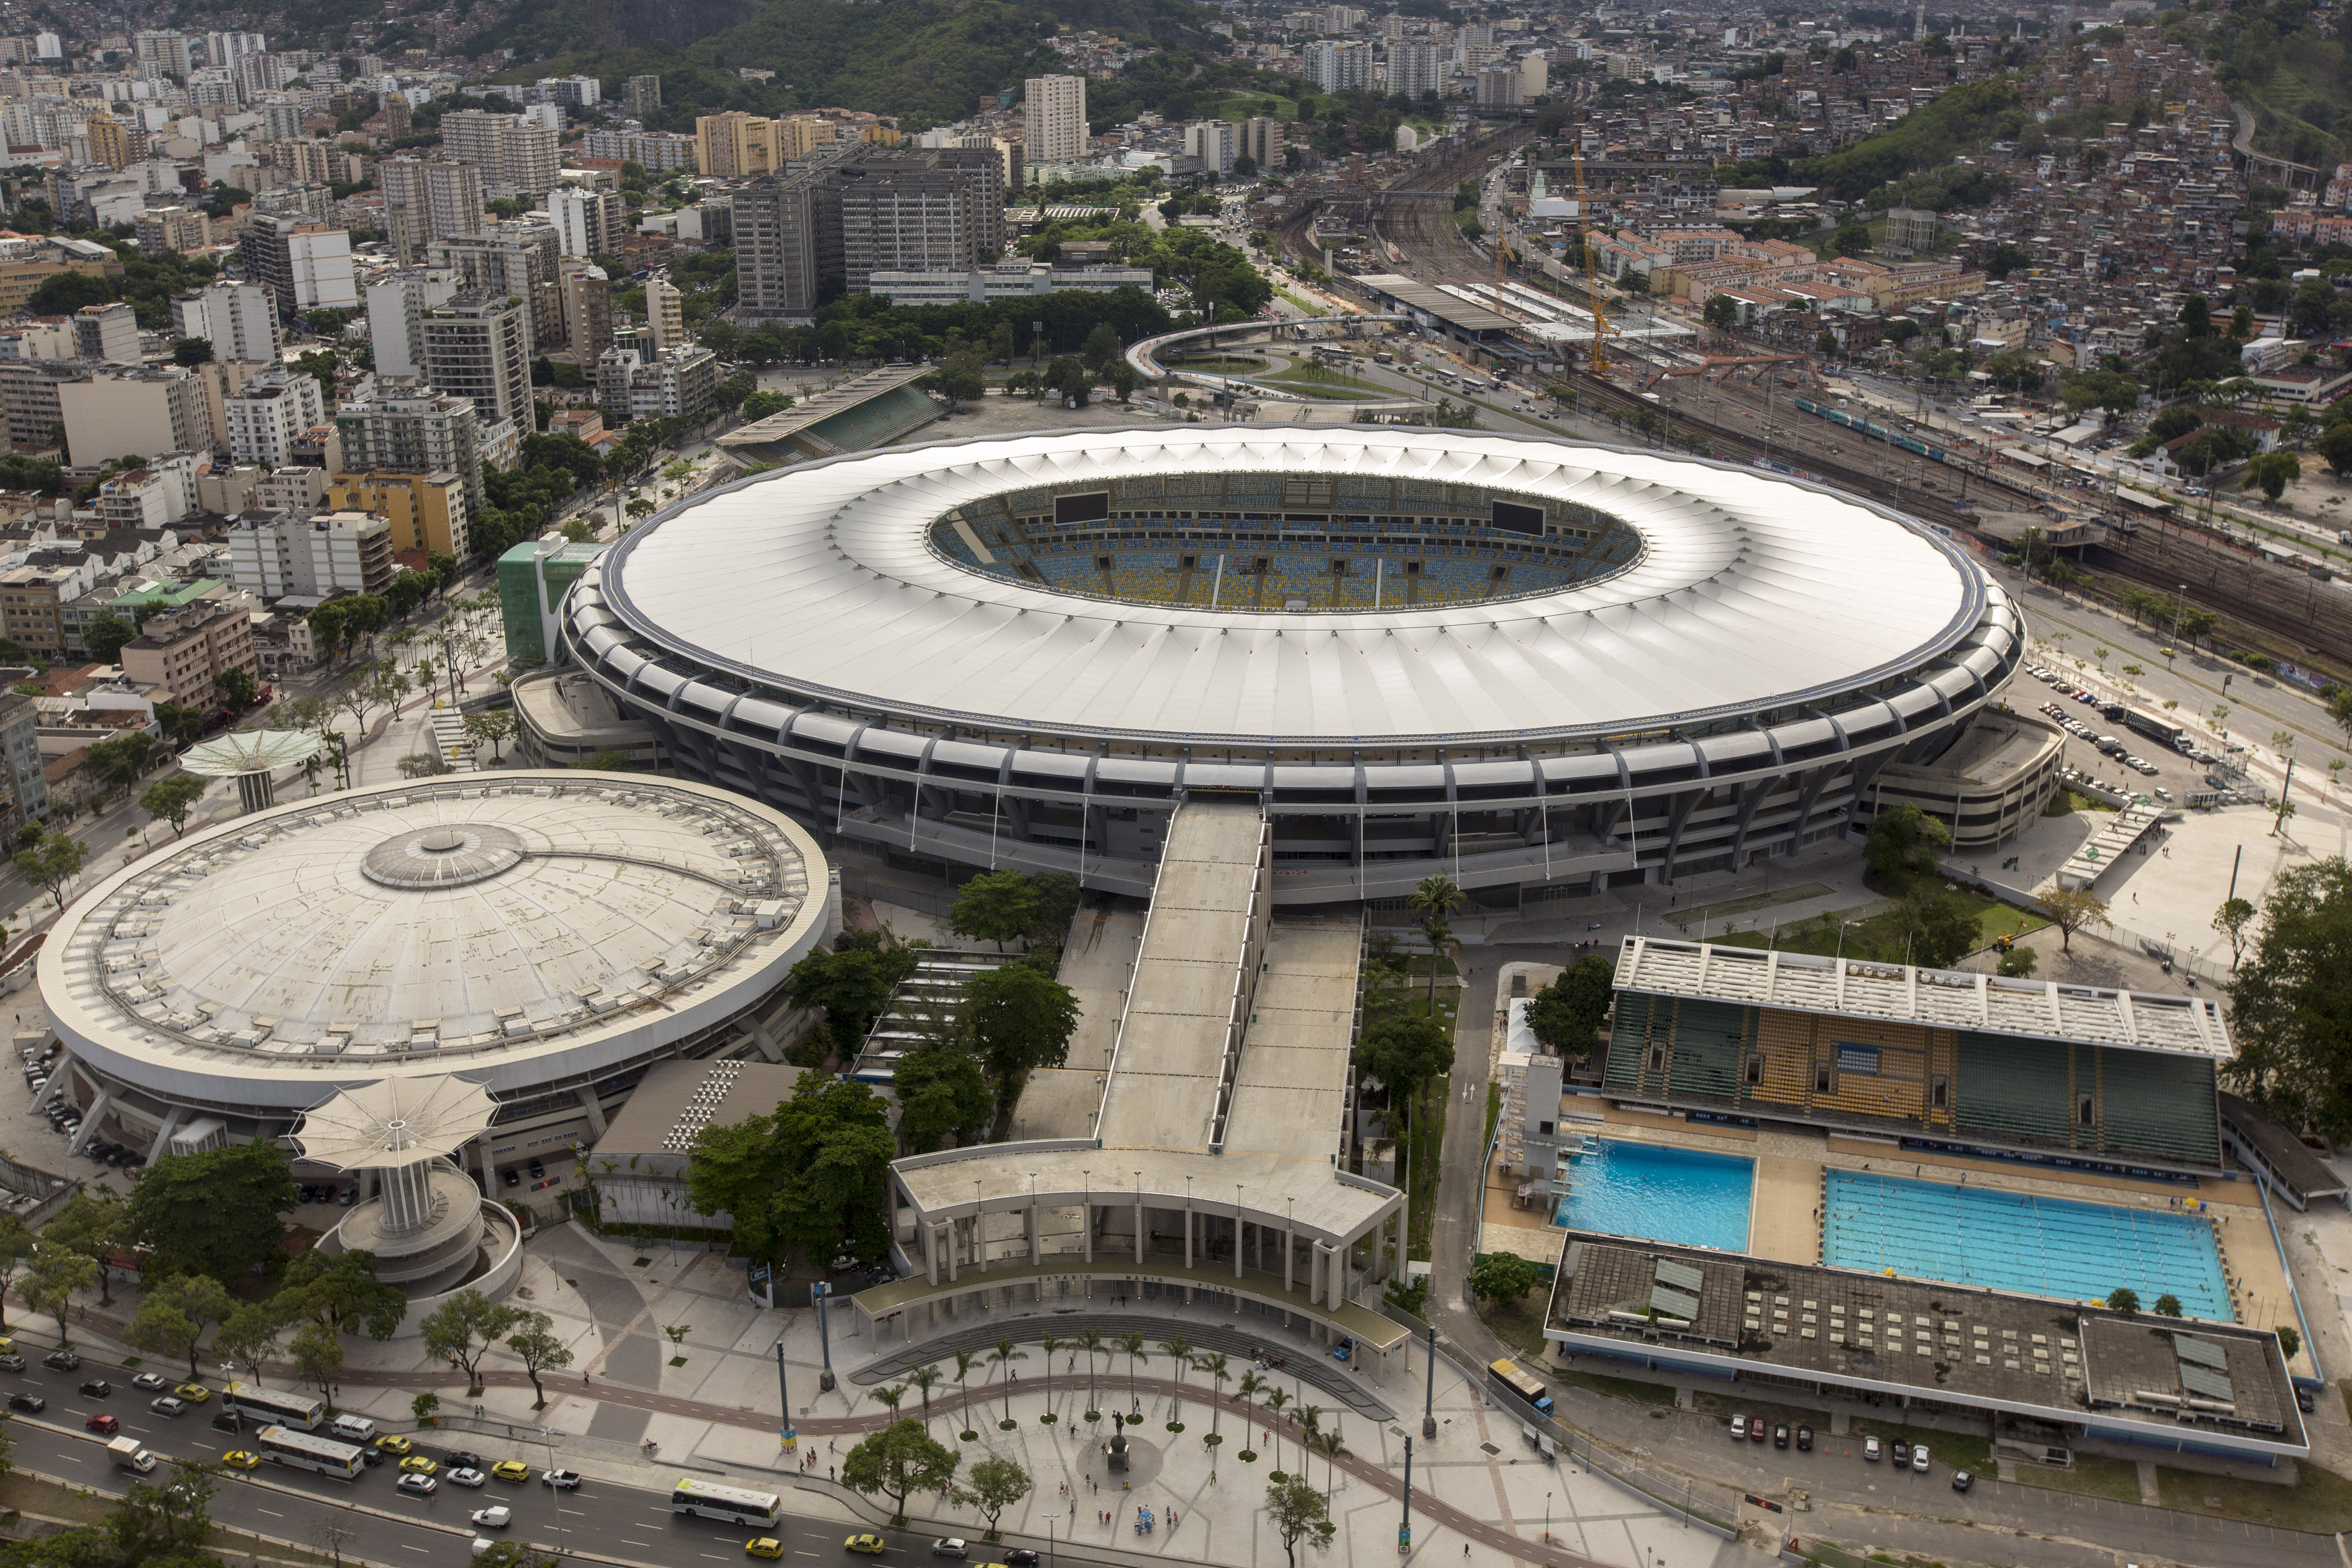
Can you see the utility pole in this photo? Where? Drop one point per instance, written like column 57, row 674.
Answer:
column 817, row 1294
column 783, row 1392
column 1428, row 1398
column 1404, row 1530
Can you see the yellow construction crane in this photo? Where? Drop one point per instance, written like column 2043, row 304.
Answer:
column 1591, row 279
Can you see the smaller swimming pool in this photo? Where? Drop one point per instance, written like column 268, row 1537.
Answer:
column 1678, row 1195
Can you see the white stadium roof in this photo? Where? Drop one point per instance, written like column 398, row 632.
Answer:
column 1752, row 592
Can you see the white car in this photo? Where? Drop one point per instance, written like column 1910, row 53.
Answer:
column 1919, row 1459
column 167, row 1406
column 465, row 1476
column 497, row 1518
column 416, row 1486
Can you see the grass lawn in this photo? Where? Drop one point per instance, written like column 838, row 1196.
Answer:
column 1520, row 1325
column 2066, row 802
column 1325, row 391
column 2091, row 1476
column 1698, row 913
column 1244, row 105
column 1878, row 936
column 1221, row 364
column 2320, row 1501
column 1423, row 1168
column 1960, row 1450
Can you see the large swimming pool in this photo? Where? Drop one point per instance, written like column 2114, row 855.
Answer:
column 1679, row 1195
column 2011, row 1242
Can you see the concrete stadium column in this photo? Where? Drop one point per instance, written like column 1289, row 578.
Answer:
column 91, row 1119
column 1237, row 1248
column 1288, row 1259
column 162, row 1143
column 950, row 1240
column 1188, row 1236
column 1087, row 1235
column 979, row 1238
column 589, row 1103
column 1139, row 1235
column 931, row 1251
column 59, row 1077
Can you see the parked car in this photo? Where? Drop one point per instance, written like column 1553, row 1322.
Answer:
column 1739, row 1429
column 1919, row 1459
column 1805, row 1439
column 1780, row 1434
column 1962, row 1480
column 1756, row 1429
column 1900, row 1452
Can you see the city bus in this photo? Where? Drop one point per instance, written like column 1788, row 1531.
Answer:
column 733, row 1505
column 304, row 1452
column 1529, row 1389
column 297, row 1410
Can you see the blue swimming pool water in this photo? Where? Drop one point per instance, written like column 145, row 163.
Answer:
column 2009, row 1241
column 1660, row 1194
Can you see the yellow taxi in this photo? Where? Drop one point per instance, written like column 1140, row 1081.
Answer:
column 419, row 1465
column 763, row 1546
column 871, row 1545
column 393, row 1443
column 511, row 1470
column 193, row 1393
column 239, row 1459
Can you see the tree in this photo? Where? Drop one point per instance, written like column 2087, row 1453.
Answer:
column 941, row 1090
column 2271, row 472
column 56, row 1273
column 463, row 1330
column 120, row 761
column 317, row 1353
column 181, row 723
column 1434, row 899
column 238, row 689
column 97, row 1226
column 1178, row 1351
column 104, row 634
column 996, row 1485
column 1503, row 1278
column 2122, row 1299
column 850, row 987
column 536, row 1346
column 171, row 800
column 1938, row 927
column 250, row 1336
column 2168, row 1305
column 2231, row 920
column 1003, row 1354
column 896, row 1462
column 2290, row 1341
column 343, row 1294
column 923, row 1379
column 2071, row 909
column 1299, row 1514
column 1904, row 839
column 490, row 728
column 214, row 1213
column 1722, row 312
column 2289, row 997
column 997, row 907
column 192, row 351
column 2334, row 447
column 809, row 1174
column 1566, row 1015
column 2017, row 963
column 1021, row 1021
column 958, row 379
column 1059, row 897
column 16, row 1248
column 177, row 1311
column 760, row 405
column 52, row 861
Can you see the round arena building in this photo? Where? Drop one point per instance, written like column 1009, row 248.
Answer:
column 543, row 937
column 1539, row 667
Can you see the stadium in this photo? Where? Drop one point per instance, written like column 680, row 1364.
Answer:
column 1540, row 668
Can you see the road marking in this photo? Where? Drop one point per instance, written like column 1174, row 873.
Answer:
column 406, row 1547
column 270, row 1512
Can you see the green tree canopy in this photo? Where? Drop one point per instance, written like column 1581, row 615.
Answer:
column 171, row 800
column 1566, row 1015
column 462, row 1330
column 2289, row 1000
column 1021, row 1020
column 1904, row 839
column 214, row 1213
column 810, row 1174
column 1503, row 1278
column 897, row 1462
column 941, row 1090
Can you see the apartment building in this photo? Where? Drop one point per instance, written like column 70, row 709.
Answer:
column 32, row 608
column 187, row 651
column 665, row 315
column 734, row 145
column 1053, row 119
column 516, row 157
column 514, row 257
column 180, row 229
column 426, row 511
column 479, row 346
column 267, row 419
column 919, row 209
column 426, row 199
column 133, row 413
column 238, row 319
column 587, row 308
column 587, row 223
column 397, row 304
column 312, row 555
column 412, row 430
column 674, row 384
column 308, row 265
column 108, row 332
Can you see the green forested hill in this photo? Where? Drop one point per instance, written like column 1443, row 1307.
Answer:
column 926, row 62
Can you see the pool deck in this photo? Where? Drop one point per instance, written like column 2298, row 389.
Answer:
column 1785, row 1213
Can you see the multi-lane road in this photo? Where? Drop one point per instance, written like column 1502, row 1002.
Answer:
column 370, row 1520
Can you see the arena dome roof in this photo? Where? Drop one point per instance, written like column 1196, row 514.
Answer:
column 517, row 928
column 1749, row 592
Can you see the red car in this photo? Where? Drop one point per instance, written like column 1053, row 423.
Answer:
column 102, row 1422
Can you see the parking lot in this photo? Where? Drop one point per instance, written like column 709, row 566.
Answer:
column 2112, row 751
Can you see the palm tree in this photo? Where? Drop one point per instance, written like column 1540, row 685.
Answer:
column 1133, row 1344
column 1276, row 1399
column 890, row 1396
column 1003, row 1355
column 1051, row 1342
column 1434, row 898
column 924, row 1378
column 1249, row 1388
column 1091, row 1342
column 964, row 1359
column 1178, row 1350
column 1333, row 1450
column 1214, row 1365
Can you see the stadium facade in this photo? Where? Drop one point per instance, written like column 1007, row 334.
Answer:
column 1537, row 667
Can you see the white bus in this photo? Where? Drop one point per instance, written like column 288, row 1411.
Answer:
column 730, row 1504
column 304, row 1452
column 298, row 1410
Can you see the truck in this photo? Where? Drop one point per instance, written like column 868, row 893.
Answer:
column 2156, row 726
column 130, row 1454
column 1531, row 1389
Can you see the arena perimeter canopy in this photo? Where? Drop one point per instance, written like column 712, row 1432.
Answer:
column 1515, row 661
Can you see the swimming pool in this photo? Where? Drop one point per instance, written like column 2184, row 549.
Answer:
column 2013, row 1241
column 1681, row 1195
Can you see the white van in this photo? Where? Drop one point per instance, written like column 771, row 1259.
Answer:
column 353, row 1428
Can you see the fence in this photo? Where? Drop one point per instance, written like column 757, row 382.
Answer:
column 50, row 1193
